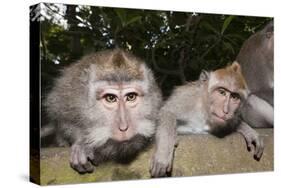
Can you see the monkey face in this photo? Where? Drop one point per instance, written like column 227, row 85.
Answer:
column 121, row 104
column 223, row 105
column 227, row 90
column 118, row 106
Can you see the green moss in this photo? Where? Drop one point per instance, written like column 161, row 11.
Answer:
column 195, row 155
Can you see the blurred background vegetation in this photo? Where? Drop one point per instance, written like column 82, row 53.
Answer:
column 175, row 45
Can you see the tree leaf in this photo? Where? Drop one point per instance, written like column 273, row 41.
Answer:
column 121, row 13
column 226, row 23
column 209, row 27
column 134, row 19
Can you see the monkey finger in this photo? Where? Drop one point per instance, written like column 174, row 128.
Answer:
column 92, row 159
column 90, row 155
column 78, row 168
column 73, row 155
column 78, row 160
column 153, row 173
column 162, row 170
column 249, row 145
column 151, row 165
column 83, row 161
column 88, row 167
column 157, row 170
column 74, row 162
column 259, row 149
column 82, row 168
column 249, row 148
column 152, row 169
column 169, row 168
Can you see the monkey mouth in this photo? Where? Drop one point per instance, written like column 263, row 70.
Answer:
column 218, row 118
column 122, row 136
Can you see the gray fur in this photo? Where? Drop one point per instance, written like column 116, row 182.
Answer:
column 187, row 112
column 256, row 59
column 72, row 106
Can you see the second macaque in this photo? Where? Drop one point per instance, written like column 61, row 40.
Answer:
column 210, row 105
column 256, row 58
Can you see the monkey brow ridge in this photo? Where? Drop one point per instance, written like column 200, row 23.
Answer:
column 228, row 90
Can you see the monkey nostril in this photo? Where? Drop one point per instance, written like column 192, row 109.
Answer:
column 123, row 128
column 225, row 110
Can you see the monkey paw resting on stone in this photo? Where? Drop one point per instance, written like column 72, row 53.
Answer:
column 104, row 106
column 211, row 105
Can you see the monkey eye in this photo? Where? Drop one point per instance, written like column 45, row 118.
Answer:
column 222, row 92
column 131, row 96
column 235, row 96
column 110, row 98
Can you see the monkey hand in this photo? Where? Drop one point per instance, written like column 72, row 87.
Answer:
column 80, row 159
column 253, row 140
column 161, row 165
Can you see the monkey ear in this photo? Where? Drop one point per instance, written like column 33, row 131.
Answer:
column 204, row 76
column 269, row 28
column 236, row 66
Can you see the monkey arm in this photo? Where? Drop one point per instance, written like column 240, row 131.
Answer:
column 252, row 138
column 166, row 135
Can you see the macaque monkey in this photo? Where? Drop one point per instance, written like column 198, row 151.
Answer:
column 256, row 60
column 210, row 105
column 105, row 107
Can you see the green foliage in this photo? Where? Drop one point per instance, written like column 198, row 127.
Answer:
column 176, row 45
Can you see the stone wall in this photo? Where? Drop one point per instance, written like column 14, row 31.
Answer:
column 195, row 155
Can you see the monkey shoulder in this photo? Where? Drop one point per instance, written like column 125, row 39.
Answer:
column 188, row 92
column 65, row 98
column 184, row 100
column 186, row 105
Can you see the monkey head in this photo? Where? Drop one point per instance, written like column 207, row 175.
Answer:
column 122, row 99
column 226, row 92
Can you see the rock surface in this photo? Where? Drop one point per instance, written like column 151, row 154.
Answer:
column 195, row 155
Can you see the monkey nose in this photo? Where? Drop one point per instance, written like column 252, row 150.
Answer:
column 226, row 109
column 123, row 127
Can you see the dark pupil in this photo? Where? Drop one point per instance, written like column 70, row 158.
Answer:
column 131, row 96
column 222, row 92
column 110, row 98
column 235, row 96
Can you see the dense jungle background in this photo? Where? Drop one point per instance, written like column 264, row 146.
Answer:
column 175, row 45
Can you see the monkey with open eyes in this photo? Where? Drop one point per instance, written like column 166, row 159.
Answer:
column 105, row 107
column 210, row 105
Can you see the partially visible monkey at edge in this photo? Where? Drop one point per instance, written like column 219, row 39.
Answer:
column 210, row 105
column 256, row 60
column 105, row 107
